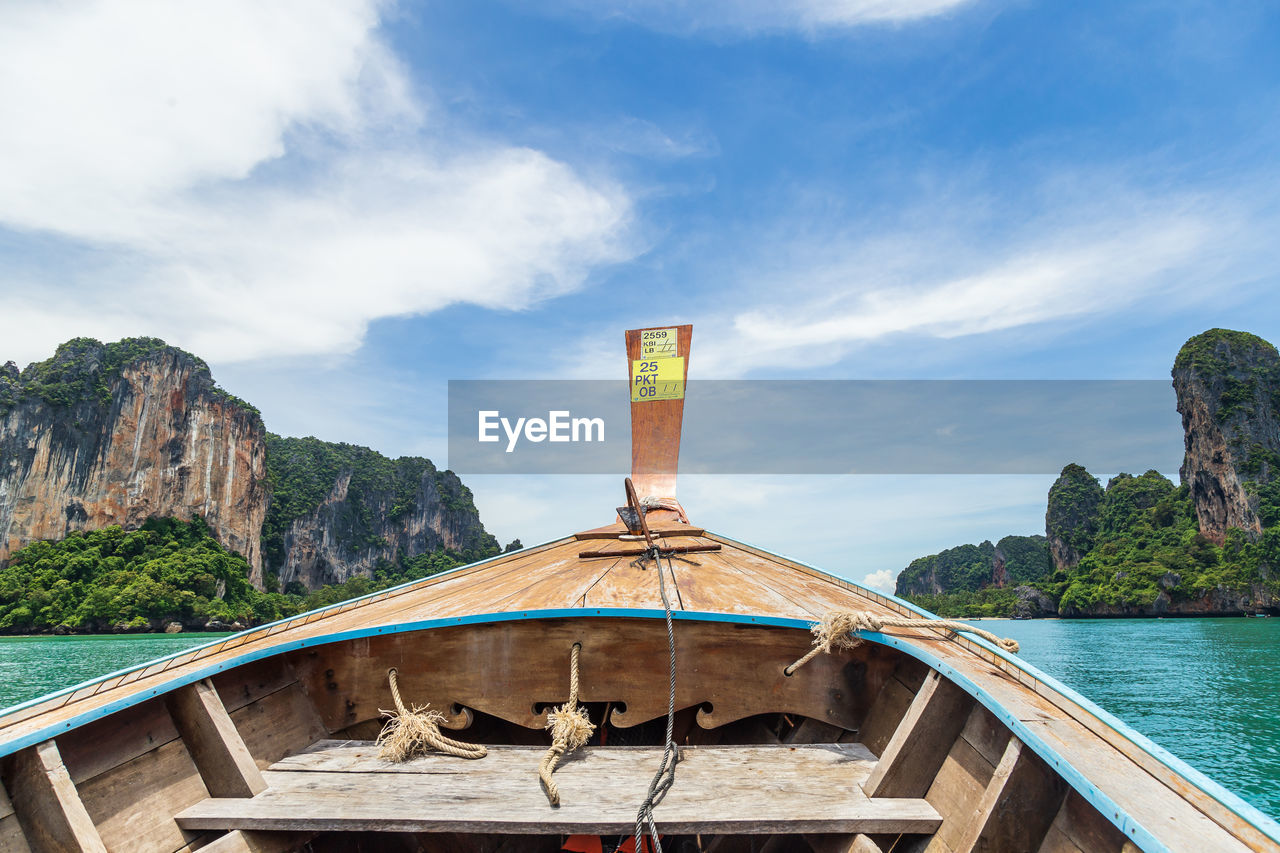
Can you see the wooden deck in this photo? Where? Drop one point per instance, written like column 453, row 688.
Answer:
column 344, row 786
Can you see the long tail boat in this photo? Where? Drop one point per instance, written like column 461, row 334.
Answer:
column 675, row 647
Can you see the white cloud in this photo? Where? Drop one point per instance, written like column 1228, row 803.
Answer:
column 753, row 16
column 257, row 179
column 1056, row 276
column 882, row 580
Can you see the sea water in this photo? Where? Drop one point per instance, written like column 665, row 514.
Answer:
column 1207, row 690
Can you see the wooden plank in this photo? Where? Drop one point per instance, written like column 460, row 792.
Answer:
column 112, row 741
column 922, row 740
column 956, row 792
column 504, row 669
column 986, row 734
column 886, row 712
column 656, row 529
column 670, row 546
column 627, row 585
column 1078, row 826
column 46, row 802
column 1017, row 806
column 727, row 590
column 133, row 805
column 757, row 790
column 11, row 837
column 278, row 724
column 219, row 753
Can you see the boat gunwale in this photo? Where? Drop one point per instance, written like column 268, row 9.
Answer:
column 1006, row 662
column 1264, row 823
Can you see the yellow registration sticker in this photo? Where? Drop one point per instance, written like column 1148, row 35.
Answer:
column 657, row 379
column 658, row 343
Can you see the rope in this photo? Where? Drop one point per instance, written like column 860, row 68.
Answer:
column 837, row 630
column 416, row 731
column 666, row 775
column 570, row 728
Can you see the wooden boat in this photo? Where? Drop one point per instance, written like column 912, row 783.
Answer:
column 918, row 738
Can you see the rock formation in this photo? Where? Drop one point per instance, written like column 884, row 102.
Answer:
column 1071, row 518
column 115, row 434
column 1014, row 559
column 1228, row 386
column 340, row 509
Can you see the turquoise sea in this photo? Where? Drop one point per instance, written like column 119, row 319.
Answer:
column 1207, row 690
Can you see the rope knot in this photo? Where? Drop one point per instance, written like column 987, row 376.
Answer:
column 415, row 730
column 839, row 630
column 570, row 727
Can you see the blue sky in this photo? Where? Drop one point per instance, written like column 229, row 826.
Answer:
column 341, row 206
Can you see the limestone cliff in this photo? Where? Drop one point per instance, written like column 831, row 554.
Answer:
column 968, row 568
column 1228, row 387
column 1072, row 515
column 340, row 510
column 117, row 433
column 105, row 434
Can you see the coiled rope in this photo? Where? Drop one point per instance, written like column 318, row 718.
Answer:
column 837, row 630
column 570, row 729
column 666, row 775
column 416, row 731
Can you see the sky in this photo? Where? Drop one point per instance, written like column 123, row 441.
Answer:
column 343, row 205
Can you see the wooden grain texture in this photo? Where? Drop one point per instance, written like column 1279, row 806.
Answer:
column 278, row 724
column 757, row 790
column 1017, row 806
column 47, row 805
column 506, row 669
column 11, row 838
column 922, row 740
column 112, row 741
column 657, row 529
column 886, row 712
column 133, row 805
column 1079, row 826
column 655, row 426
column 219, row 753
column 955, row 792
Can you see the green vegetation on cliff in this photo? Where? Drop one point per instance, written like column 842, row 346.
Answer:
column 1147, row 555
column 969, row 568
column 1138, row 547
column 1151, row 556
column 302, row 473
column 169, row 570
column 1243, row 363
column 81, row 370
column 112, row 579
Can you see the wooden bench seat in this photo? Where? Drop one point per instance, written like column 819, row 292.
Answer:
column 344, row 786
